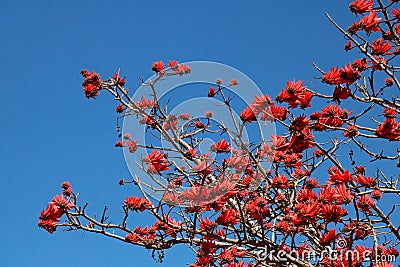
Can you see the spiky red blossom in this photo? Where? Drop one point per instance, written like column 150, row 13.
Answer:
column 396, row 13
column 211, row 92
column 120, row 108
column 301, row 140
column 331, row 115
column 273, row 112
column 333, row 213
column 360, row 64
column 341, row 92
column 365, row 203
column 338, row 177
column 295, row 94
column 342, row 195
column 328, row 238
column 157, row 161
column 365, row 181
column 388, row 82
column 183, row 69
column 119, row 143
column 248, row 115
column 390, row 113
column 145, row 103
column 132, row 146
column 352, row 131
column 199, row 124
column 389, row 129
column 228, row 217
column 221, row 147
column 118, row 80
column 137, row 204
column 380, row 47
column 361, row 6
column 173, row 64
column 158, row 66
column 50, row 217
column 381, row 63
column 337, row 76
column 91, row 83
column 171, row 123
column 348, row 46
column 368, row 23
column 280, row 181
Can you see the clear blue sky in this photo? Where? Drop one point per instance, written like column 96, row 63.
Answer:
column 50, row 132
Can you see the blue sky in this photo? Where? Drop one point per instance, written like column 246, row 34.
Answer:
column 52, row 133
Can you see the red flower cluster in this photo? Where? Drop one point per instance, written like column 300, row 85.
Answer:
column 221, row 147
column 137, row 204
column 348, row 75
column 389, row 129
column 157, row 162
column 380, row 47
column 361, row 6
column 158, row 66
column 331, row 116
column 91, row 83
column 368, row 23
column 50, row 217
column 295, row 94
column 118, row 80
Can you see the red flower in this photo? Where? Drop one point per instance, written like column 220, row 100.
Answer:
column 351, row 131
column 183, row 69
column 295, row 94
column 388, row 82
column 390, row 113
column 348, row 46
column 173, row 64
column 360, row 64
column 346, row 75
column 137, row 203
column 119, row 143
column 119, row 81
column 120, row 108
column 333, row 213
column 280, row 181
column 62, row 203
column 273, row 112
column 145, row 103
column 199, row 124
column 368, row 23
column 221, row 147
column 381, row 63
column 211, row 92
column 91, row 84
column 380, row 47
column 158, row 66
column 396, row 13
column 389, row 129
column 132, row 146
column 342, row 194
column 365, row 181
column 227, row 217
column 157, row 161
column 338, row 177
column 248, row 115
column 364, row 203
column 341, row 93
column 361, row 6
column 328, row 238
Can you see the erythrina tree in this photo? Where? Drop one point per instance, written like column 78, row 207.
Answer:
column 331, row 186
